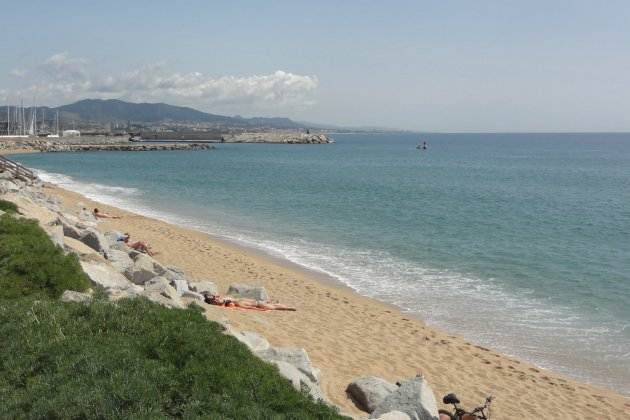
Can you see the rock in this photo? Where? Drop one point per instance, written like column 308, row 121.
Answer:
column 95, row 240
column 193, row 295
column 72, row 296
column 204, row 287
column 299, row 380
column 368, row 392
column 255, row 342
column 174, row 273
column 77, row 247
column 55, row 233
column 164, row 301
column 86, row 215
column 120, row 246
column 161, row 285
column 413, row 397
column 294, row 356
column 144, row 269
column 120, row 260
column 247, row 291
column 112, row 237
column 106, row 277
column 181, row 285
column 70, row 229
column 394, row 415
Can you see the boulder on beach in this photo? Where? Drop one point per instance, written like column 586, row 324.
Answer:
column 368, row 392
column 106, row 277
column 294, row 356
column 95, row 240
column 120, row 260
column 299, row 380
column 144, row 269
column 254, row 341
column 394, row 415
column 247, row 291
column 413, row 397
column 77, row 247
column 203, row 287
column 161, row 285
column 69, row 228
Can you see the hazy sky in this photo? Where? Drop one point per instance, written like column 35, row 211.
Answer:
column 424, row 65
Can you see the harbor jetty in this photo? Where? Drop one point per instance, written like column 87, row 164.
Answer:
column 91, row 144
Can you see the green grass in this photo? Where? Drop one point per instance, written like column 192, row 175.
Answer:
column 31, row 264
column 134, row 360
column 129, row 360
column 8, row 206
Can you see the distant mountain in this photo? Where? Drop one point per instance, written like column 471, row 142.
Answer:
column 116, row 110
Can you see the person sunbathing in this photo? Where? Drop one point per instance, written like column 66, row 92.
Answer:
column 139, row 246
column 243, row 303
column 99, row 214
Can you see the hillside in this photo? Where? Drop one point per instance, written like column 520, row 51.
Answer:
column 116, row 110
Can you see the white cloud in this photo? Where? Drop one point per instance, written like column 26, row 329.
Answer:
column 67, row 78
column 18, row 72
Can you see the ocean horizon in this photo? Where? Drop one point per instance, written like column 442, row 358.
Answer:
column 515, row 241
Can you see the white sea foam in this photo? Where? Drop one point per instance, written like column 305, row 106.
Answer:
column 483, row 310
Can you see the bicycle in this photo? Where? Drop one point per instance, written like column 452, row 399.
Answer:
column 482, row 412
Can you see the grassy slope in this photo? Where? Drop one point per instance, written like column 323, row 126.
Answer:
column 133, row 359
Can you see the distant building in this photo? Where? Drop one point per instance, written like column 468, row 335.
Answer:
column 71, row 133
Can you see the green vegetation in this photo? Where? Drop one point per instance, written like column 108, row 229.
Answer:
column 133, row 359
column 30, row 263
column 8, row 206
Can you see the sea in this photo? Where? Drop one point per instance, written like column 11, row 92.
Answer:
column 519, row 242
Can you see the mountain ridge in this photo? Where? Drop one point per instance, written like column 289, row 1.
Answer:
column 106, row 110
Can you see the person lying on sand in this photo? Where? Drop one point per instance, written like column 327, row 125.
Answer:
column 139, row 246
column 243, row 303
column 99, row 214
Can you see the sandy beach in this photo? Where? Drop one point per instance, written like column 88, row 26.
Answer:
column 349, row 336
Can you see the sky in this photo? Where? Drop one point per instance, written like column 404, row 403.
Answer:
column 446, row 66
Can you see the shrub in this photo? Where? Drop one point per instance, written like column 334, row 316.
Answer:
column 134, row 359
column 31, row 264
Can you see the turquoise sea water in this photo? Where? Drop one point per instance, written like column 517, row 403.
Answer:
column 516, row 241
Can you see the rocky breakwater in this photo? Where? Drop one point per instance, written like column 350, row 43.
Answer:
column 278, row 137
column 89, row 145
column 124, row 273
column 62, row 147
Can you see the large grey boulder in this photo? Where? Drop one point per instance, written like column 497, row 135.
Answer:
column 413, row 397
column 368, row 392
column 254, row 341
column 95, row 240
column 73, row 296
column 55, row 233
column 181, row 285
column 204, row 287
column 299, row 380
column 193, row 295
column 161, row 286
column 77, row 247
column 394, row 415
column 144, row 269
column 112, row 236
column 86, row 215
column 106, row 277
column 71, row 230
column 294, row 356
column 120, row 260
column 174, row 273
column 247, row 291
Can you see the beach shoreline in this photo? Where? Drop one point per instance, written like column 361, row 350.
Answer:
column 349, row 335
